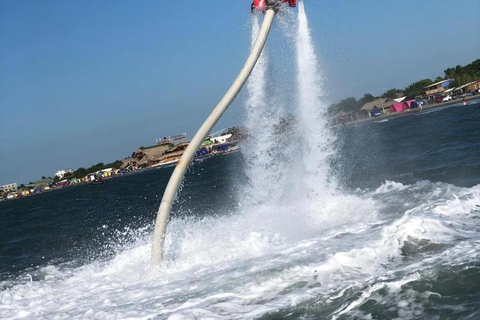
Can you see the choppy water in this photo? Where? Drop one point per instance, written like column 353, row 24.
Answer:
column 410, row 249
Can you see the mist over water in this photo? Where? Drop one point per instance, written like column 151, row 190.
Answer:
column 266, row 234
column 315, row 134
column 261, row 117
column 290, row 193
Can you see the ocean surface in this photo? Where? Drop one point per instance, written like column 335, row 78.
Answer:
column 399, row 240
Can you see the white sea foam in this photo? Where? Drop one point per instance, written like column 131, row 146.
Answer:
column 390, row 185
column 234, row 267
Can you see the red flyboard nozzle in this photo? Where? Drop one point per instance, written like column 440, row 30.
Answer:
column 262, row 5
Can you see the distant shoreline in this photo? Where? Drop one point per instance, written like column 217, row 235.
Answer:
column 409, row 111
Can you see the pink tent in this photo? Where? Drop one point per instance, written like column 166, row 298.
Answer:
column 402, row 106
column 409, row 102
column 399, row 107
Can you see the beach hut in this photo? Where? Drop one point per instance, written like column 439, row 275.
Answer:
column 373, row 107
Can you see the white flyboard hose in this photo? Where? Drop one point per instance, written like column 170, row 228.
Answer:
column 187, row 157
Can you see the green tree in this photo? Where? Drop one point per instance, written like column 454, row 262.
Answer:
column 449, row 73
column 365, row 99
column 68, row 175
column 369, row 97
column 392, row 93
column 454, row 83
column 116, row 164
column 346, row 105
column 80, row 173
column 417, row 88
column 96, row 167
column 463, row 75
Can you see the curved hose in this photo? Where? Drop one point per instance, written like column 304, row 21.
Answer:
column 187, row 157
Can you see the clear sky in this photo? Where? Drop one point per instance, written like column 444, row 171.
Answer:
column 83, row 82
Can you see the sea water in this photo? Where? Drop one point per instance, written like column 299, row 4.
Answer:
column 410, row 251
column 376, row 221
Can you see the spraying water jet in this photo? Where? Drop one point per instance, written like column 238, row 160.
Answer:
column 269, row 7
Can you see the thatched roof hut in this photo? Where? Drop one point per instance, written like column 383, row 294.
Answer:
column 382, row 103
column 178, row 147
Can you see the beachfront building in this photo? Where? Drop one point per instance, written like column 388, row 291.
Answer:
column 60, row 174
column 469, row 87
column 463, row 89
column 437, row 88
column 40, row 184
column 377, row 106
column 473, row 86
column 12, row 187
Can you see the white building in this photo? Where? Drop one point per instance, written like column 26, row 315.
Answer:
column 221, row 139
column 62, row 173
column 12, row 187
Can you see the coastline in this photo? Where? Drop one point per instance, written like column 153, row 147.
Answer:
column 407, row 112
column 173, row 160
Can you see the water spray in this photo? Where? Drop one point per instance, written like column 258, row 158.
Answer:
column 269, row 7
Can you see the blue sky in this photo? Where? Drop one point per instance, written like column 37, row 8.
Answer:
column 83, row 82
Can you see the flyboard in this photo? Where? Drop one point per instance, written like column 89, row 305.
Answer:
column 269, row 7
